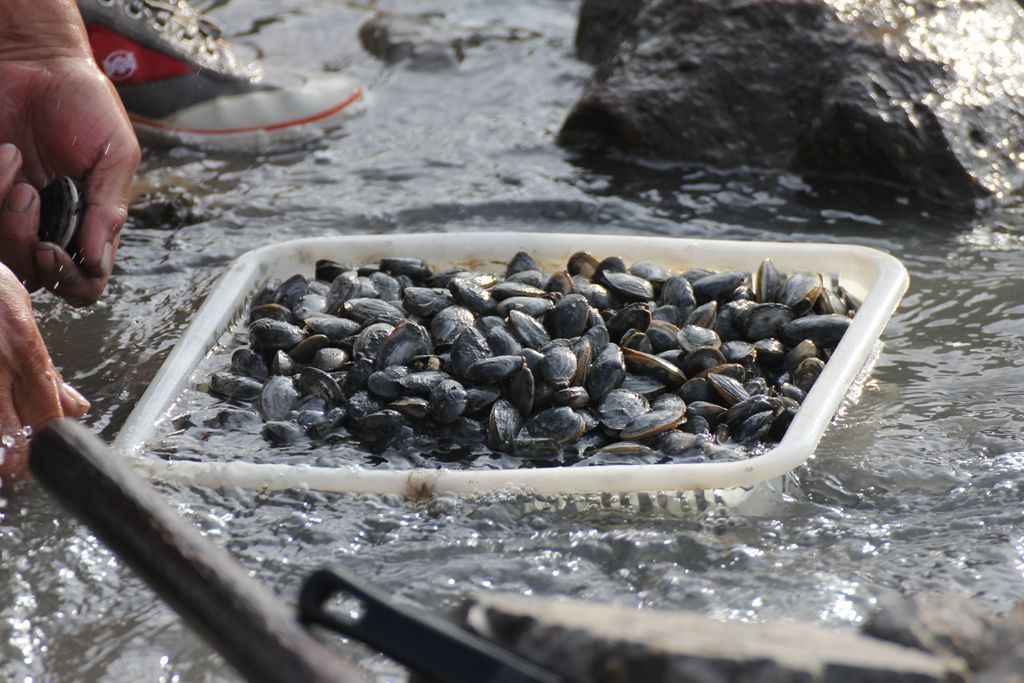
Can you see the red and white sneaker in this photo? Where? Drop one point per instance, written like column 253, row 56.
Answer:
column 180, row 81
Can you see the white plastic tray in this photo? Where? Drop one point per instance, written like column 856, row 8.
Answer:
column 877, row 278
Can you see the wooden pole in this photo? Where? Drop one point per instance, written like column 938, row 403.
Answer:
column 254, row 631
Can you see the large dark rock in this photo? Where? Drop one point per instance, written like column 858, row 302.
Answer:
column 925, row 94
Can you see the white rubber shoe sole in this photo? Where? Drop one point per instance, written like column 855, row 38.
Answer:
column 260, row 119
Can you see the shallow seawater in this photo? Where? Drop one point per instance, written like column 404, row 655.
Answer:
column 917, row 487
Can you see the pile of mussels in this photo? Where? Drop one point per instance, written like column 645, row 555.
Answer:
column 598, row 358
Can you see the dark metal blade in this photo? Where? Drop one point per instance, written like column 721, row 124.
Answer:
column 426, row 644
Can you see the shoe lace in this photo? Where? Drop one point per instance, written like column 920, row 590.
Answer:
column 206, row 28
column 196, row 29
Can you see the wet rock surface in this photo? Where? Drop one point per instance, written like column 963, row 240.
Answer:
column 430, row 41
column 952, row 625
column 165, row 210
column 602, row 27
column 944, row 637
column 923, row 94
column 586, row 641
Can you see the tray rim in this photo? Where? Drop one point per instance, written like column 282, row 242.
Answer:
column 213, row 318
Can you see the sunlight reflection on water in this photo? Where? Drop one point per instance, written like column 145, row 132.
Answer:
column 916, row 487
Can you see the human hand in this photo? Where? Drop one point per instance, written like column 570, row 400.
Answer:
column 64, row 118
column 31, row 389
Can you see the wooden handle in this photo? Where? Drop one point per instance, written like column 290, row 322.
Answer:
column 253, row 630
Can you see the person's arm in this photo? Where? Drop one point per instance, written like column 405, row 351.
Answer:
column 31, row 389
column 64, row 118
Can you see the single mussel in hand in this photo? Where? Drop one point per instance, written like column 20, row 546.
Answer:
column 61, row 208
